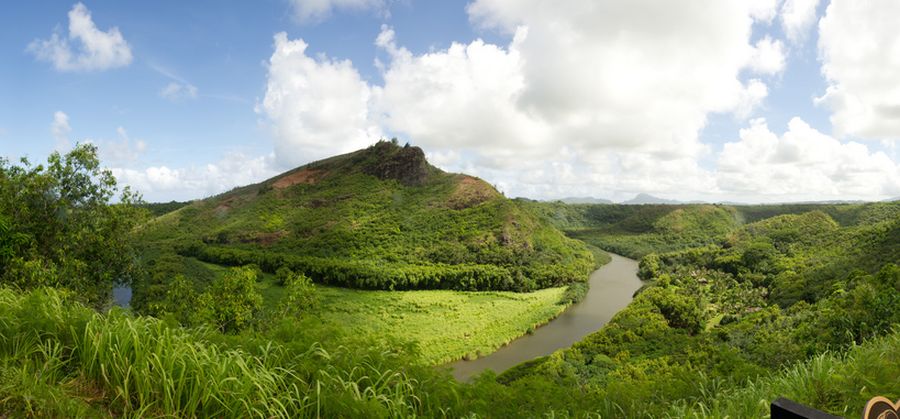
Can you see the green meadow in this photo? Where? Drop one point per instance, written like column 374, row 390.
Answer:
column 443, row 325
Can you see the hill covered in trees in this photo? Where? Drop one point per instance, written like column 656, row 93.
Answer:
column 378, row 218
column 756, row 298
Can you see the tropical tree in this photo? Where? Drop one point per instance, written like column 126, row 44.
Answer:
column 233, row 300
column 60, row 228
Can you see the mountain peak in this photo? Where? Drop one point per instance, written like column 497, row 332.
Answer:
column 643, row 198
column 405, row 164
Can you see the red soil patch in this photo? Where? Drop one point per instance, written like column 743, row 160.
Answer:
column 223, row 208
column 305, row 176
column 264, row 239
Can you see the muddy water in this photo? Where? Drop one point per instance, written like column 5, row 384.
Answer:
column 611, row 289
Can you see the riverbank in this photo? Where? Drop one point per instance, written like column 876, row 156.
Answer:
column 611, row 289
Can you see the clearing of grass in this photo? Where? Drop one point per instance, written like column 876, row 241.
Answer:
column 445, row 325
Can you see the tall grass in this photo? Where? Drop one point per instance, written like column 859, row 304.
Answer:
column 838, row 383
column 141, row 367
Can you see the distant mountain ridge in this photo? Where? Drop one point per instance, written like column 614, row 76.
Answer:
column 584, row 200
column 643, row 198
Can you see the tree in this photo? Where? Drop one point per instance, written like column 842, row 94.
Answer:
column 183, row 304
column 300, row 295
column 59, row 227
column 233, row 300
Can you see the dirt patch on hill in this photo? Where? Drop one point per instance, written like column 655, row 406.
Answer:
column 305, row 176
column 471, row 191
column 264, row 239
column 222, row 209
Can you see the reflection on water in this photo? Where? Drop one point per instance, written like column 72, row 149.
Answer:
column 611, row 289
column 122, row 296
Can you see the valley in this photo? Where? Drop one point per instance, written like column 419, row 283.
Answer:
column 373, row 284
column 611, row 289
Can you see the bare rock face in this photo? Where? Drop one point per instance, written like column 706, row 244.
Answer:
column 404, row 164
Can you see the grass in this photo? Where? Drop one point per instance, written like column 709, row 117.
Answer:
column 61, row 359
column 838, row 383
column 446, row 325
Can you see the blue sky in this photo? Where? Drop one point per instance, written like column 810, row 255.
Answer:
column 604, row 99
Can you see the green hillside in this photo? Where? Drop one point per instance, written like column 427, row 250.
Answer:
column 751, row 303
column 377, row 218
column 636, row 230
column 766, row 296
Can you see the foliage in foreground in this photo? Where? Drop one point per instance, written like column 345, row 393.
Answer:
column 58, row 228
column 58, row 358
column 838, row 383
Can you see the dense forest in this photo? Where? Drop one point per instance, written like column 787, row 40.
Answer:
column 233, row 296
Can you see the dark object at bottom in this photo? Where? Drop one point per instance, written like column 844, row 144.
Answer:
column 783, row 408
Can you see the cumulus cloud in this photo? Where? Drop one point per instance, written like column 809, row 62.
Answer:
column 797, row 16
column 60, row 129
column 85, row 48
column 163, row 183
column 859, row 46
column 317, row 106
column 587, row 98
column 177, row 91
column 803, row 163
column 601, row 77
column 306, row 11
column 637, row 75
column 768, row 56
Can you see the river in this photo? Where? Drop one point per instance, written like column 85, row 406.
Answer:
column 612, row 287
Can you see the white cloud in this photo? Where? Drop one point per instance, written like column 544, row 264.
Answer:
column 124, row 150
column 86, row 48
column 602, row 76
column 859, row 46
column 764, row 10
column 588, row 98
column 628, row 75
column 177, row 91
column 797, row 16
column 768, row 56
column 803, row 164
column 163, row 183
column 306, row 11
column 463, row 97
column 60, row 129
column 316, row 106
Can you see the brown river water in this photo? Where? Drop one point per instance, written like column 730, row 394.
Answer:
column 612, row 287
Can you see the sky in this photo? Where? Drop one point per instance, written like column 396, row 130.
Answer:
column 745, row 101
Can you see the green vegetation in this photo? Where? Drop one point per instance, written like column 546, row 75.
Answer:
column 59, row 358
column 838, row 383
column 157, row 209
column 637, row 230
column 57, row 227
column 445, row 325
column 765, row 297
column 378, row 218
column 743, row 303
